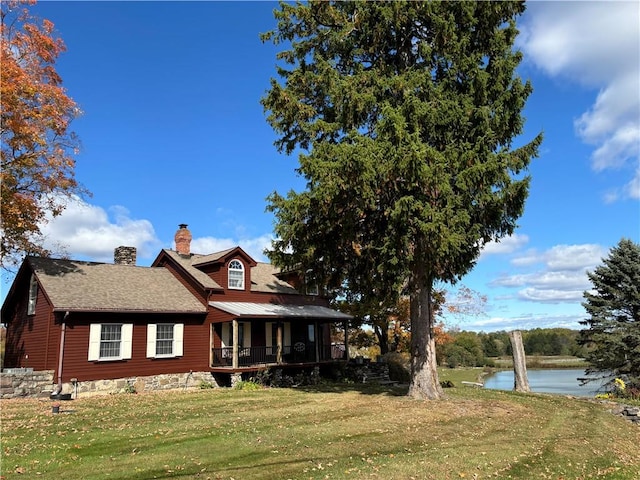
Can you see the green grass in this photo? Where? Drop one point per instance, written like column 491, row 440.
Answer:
column 541, row 361
column 458, row 375
column 328, row 432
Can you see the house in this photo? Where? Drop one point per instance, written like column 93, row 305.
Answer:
column 222, row 314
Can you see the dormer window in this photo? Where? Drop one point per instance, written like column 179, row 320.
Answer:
column 236, row 275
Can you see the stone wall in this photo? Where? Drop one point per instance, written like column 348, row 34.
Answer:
column 628, row 412
column 172, row 381
column 23, row 382
column 39, row 384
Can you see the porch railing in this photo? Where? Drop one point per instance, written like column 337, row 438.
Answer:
column 297, row 353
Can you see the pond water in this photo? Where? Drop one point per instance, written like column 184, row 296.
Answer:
column 546, row 381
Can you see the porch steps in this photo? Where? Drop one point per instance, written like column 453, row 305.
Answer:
column 377, row 373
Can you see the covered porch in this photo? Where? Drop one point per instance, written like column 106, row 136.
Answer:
column 263, row 335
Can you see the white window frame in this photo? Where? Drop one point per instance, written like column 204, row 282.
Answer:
column 233, row 268
column 177, row 348
column 311, row 286
column 95, row 333
column 33, row 296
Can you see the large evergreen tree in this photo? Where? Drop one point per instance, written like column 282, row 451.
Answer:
column 404, row 114
column 613, row 326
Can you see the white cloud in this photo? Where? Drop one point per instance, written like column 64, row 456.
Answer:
column 563, row 257
column 86, row 231
column 587, row 41
column 596, row 45
column 89, row 232
column 529, row 257
column 525, row 322
column 550, row 295
column 506, row 245
column 253, row 246
column 206, row 245
column 573, row 257
column 256, row 246
column 632, row 189
column 561, row 275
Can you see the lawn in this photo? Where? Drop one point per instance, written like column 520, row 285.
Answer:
column 345, row 431
column 541, row 361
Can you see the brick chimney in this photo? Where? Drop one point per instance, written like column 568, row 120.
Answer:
column 183, row 240
column 124, row 256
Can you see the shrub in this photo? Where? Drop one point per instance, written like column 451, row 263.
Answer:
column 489, row 362
column 280, row 380
column 263, row 377
column 633, row 393
column 398, row 367
column 205, row 385
column 247, row 385
column 129, row 388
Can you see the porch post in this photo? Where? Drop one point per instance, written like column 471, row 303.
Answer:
column 279, row 343
column 345, row 324
column 316, row 340
column 234, row 358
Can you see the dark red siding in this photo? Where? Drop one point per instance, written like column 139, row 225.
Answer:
column 215, row 273
column 76, row 364
column 260, row 297
column 32, row 340
column 39, row 335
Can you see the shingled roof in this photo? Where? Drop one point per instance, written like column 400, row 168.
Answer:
column 263, row 279
column 263, row 275
column 186, row 262
column 74, row 285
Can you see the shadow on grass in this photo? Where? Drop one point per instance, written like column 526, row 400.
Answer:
column 231, row 470
column 363, row 388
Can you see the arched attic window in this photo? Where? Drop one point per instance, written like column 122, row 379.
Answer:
column 236, row 275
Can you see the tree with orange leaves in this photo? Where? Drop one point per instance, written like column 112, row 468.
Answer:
column 37, row 145
column 390, row 319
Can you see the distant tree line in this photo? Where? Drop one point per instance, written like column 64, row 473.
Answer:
column 474, row 349
column 469, row 349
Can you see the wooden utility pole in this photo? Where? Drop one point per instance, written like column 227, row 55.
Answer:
column 521, row 382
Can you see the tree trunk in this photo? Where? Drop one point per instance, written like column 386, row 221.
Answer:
column 383, row 339
column 521, row 382
column 424, row 374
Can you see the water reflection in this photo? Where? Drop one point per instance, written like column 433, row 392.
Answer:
column 546, row 381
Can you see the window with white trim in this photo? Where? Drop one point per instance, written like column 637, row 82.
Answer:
column 311, row 286
column 164, row 340
column 33, row 296
column 110, row 341
column 236, row 275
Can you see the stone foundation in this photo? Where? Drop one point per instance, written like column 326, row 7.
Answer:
column 22, row 382
column 171, row 381
column 39, row 384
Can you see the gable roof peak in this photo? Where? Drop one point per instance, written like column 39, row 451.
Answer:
column 223, row 256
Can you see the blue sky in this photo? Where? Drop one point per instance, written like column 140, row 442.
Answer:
column 173, row 132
